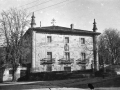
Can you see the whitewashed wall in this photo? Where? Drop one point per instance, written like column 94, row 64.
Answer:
column 8, row 77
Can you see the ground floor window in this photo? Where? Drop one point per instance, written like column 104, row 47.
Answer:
column 22, row 73
column 10, row 71
column 49, row 68
column 67, row 68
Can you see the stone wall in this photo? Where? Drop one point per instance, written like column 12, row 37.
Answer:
column 41, row 47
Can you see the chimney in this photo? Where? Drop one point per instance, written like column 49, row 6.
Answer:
column 72, row 26
column 40, row 24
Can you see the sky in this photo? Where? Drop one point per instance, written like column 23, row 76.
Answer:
column 81, row 13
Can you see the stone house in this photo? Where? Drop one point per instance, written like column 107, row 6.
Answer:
column 57, row 48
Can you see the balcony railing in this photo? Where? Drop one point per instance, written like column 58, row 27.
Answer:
column 64, row 61
column 47, row 61
column 79, row 61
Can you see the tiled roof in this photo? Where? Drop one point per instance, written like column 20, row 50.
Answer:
column 61, row 28
column 64, row 30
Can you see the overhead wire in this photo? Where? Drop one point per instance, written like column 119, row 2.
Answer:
column 29, row 3
column 63, row 4
column 39, row 4
column 44, row 3
column 51, row 5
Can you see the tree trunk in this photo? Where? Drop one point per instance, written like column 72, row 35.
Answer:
column 14, row 74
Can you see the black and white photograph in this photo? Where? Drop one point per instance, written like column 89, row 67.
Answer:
column 59, row 44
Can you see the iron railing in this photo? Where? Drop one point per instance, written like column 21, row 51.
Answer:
column 47, row 61
column 64, row 61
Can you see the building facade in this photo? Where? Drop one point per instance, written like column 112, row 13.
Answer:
column 56, row 48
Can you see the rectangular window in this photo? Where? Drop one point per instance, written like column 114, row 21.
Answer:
column 83, row 56
column 67, row 55
column 22, row 73
column 66, row 39
column 49, row 68
column 49, row 39
column 67, row 68
column 10, row 71
column 49, row 55
column 83, row 67
column 82, row 40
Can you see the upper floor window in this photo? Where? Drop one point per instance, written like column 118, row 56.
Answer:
column 83, row 56
column 66, row 39
column 66, row 47
column 82, row 40
column 49, row 39
column 49, row 55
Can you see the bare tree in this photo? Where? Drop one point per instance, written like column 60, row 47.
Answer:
column 109, row 46
column 13, row 24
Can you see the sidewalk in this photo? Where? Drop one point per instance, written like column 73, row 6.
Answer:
column 66, row 83
column 92, row 80
column 16, row 83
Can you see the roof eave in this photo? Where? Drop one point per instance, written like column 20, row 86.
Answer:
column 69, row 32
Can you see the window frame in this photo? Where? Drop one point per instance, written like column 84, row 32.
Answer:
column 67, row 40
column 83, row 55
column 67, row 55
column 82, row 40
column 10, row 71
column 49, row 55
column 49, row 39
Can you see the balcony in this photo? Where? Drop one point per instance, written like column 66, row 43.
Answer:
column 79, row 61
column 47, row 61
column 64, row 61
